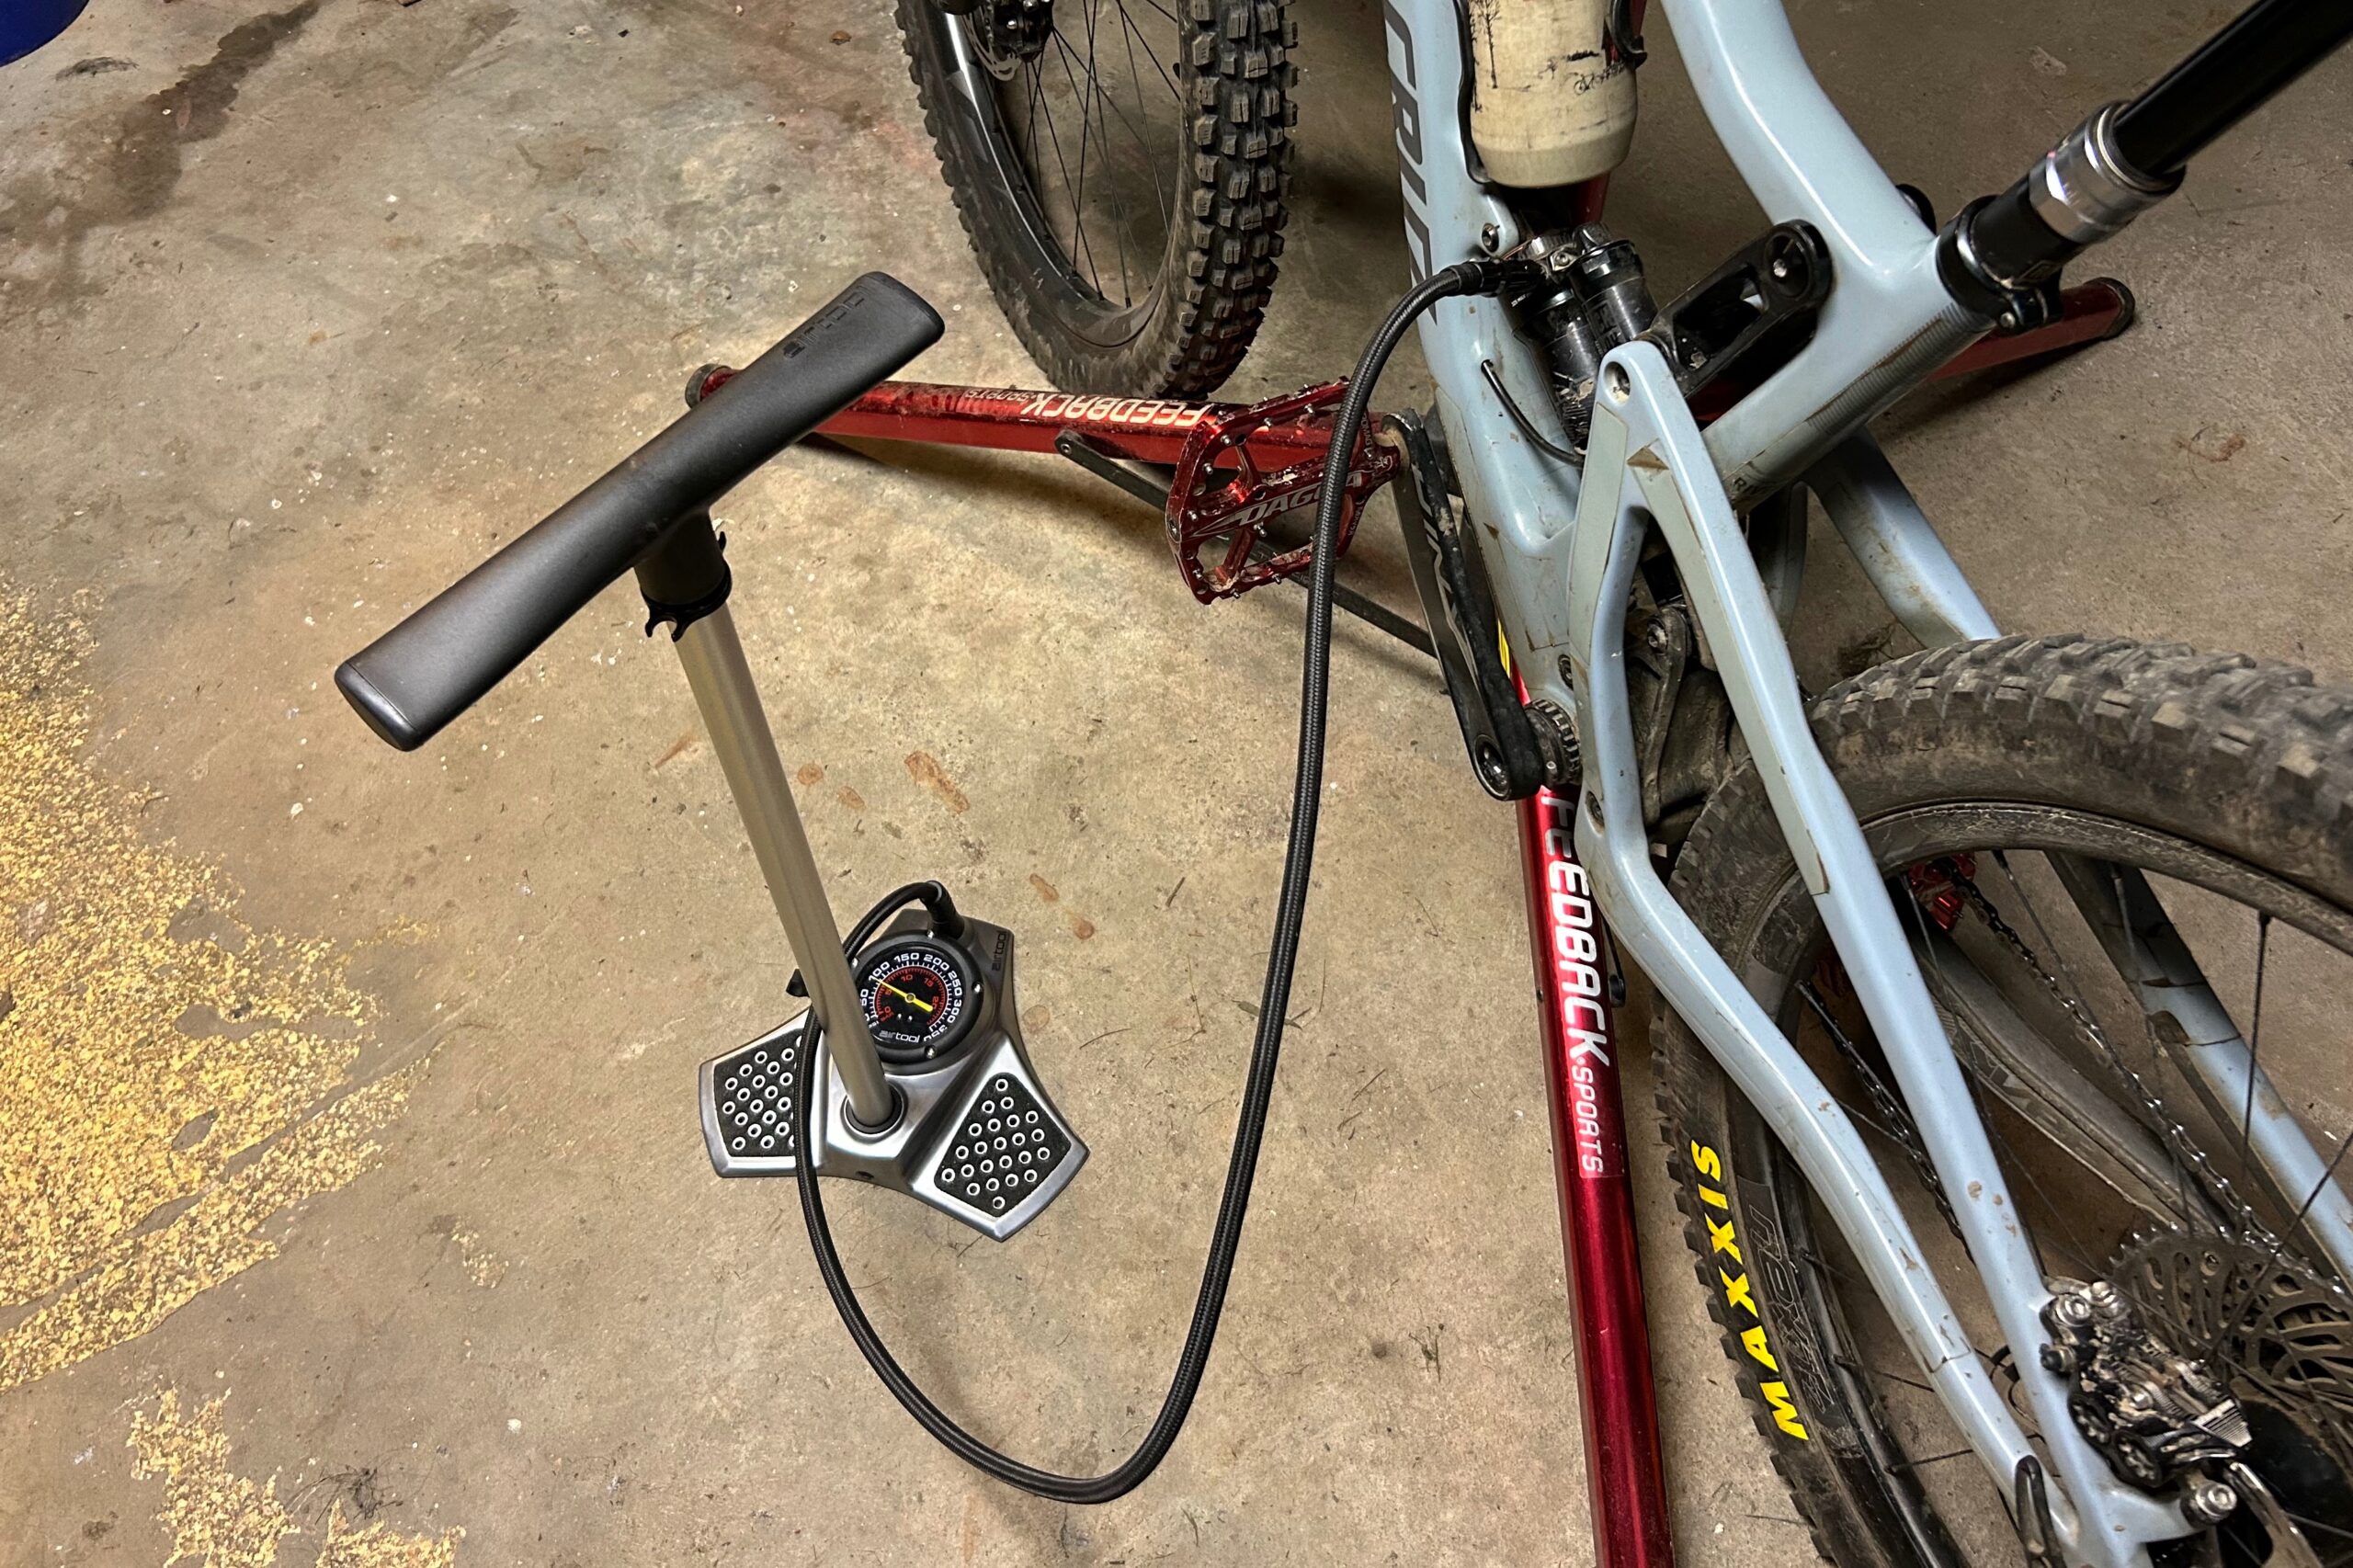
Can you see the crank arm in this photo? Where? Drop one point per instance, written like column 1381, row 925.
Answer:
column 1509, row 750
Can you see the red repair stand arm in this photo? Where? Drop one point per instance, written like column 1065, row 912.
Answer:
column 1624, row 1473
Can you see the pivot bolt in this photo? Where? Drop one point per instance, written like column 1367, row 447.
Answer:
column 1494, row 777
column 1491, row 238
column 2208, row 1502
column 2071, row 1310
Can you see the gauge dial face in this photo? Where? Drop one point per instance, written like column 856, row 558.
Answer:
column 917, row 994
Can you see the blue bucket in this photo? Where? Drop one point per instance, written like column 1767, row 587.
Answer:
column 25, row 24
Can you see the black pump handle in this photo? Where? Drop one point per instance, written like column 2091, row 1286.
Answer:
column 435, row 664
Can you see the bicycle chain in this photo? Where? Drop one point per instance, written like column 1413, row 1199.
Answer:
column 1899, row 1124
column 2218, row 1186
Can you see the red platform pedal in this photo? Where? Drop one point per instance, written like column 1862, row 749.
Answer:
column 1227, row 489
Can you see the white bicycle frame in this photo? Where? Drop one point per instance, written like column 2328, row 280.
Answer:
column 1562, row 546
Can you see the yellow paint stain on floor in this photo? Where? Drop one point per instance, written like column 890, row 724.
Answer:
column 170, row 1077
column 484, row 1267
column 220, row 1519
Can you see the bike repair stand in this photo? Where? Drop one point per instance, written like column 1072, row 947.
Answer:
column 951, row 1113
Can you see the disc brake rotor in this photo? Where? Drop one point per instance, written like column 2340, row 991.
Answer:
column 2283, row 1338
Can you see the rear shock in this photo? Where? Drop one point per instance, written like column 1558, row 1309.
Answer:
column 1590, row 297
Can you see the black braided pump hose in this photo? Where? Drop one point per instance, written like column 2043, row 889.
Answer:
column 1299, row 856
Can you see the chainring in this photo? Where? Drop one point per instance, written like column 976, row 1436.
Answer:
column 2283, row 1338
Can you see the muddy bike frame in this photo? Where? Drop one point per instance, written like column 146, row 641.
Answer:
column 1561, row 542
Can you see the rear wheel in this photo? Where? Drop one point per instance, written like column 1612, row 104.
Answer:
column 1119, row 167
column 1998, row 783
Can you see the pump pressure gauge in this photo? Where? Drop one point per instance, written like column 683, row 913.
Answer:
column 920, row 996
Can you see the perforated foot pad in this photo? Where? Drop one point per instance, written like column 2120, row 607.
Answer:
column 748, row 1105
column 1008, row 1148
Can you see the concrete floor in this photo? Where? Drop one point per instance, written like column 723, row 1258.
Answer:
column 352, row 1207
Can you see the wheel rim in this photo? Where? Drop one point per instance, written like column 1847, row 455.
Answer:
column 1086, row 142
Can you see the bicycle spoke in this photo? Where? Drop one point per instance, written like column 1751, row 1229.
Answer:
column 2255, row 1038
column 1097, row 95
column 1854, row 1365
column 1085, row 117
column 2305, row 1521
column 1932, row 1458
column 1166, row 79
column 1034, row 102
column 1103, row 135
column 2327, row 1179
column 1093, row 133
column 1077, row 238
column 2256, row 1279
column 1159, row 190
column 1036, row 97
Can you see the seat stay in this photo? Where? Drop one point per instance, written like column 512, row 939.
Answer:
column 1647, row 468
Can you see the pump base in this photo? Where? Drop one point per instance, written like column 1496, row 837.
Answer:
column 976, row 1135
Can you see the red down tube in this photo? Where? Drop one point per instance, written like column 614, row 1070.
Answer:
column 1624, row 1473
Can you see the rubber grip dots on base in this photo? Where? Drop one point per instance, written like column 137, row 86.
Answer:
column 1005, row 1148
column 753, row 1092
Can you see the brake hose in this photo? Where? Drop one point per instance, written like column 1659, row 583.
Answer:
column 1299, row 856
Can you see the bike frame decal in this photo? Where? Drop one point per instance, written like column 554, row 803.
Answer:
column 1405, row 115
column 1012, row 419
column 1073, row 408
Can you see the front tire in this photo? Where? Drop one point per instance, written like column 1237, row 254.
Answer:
column 1154, row 282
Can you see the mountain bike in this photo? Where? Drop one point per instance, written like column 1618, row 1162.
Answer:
column 2001, row 1082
